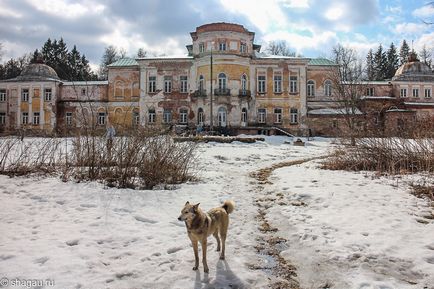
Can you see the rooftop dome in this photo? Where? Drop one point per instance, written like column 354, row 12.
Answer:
column 38, row 71
column 413, row 69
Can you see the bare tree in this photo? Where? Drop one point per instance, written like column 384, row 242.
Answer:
column 141, row 53
column 349, row 88
column 426, row 56
column 279, row 48
column 1, row 51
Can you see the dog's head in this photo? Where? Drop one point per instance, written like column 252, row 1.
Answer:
column 188, row 212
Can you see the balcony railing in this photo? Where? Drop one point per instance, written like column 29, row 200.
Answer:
column 199, row 93
column 244, row 93
column 222, row 91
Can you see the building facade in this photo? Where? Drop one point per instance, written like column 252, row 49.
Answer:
column 225, row 83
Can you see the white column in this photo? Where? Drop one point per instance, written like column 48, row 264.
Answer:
column 41, row 108
column 143, row 91
column 18, row 120
column 30, row 120
column 303, row 98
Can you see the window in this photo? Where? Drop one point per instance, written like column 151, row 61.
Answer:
column 222, row 81
column 168, row 84
column 2, row 95
column 403, row 92
column 221, row 116
column 119, row 89
column 25, row 118
column 243, row 47
column 25, row 95
column 167, row 116
column 201, row 47
column 277, row 84
column 415, row 92
column 311, row 88
column 136, row 118
column 200, row 116
column 151, row 115
column 277, row 115
column 152, row 81
column 293, row 84
column 184, row 83
column 68, row 118
column 47, row 94
column 2, row 118
column 183, row 115
column 335, row 123
column 101, row 118
column 83, row 92
column 201, row 83
column 328, row 88
column 222, row 46
column 36, row 118
column 427, row 93
column 243, row 82
column 294, row 115
column 244, row 115
column 262, row 113
column 261, row 83
column 370, row 91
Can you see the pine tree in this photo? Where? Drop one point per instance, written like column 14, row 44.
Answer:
column 370, row 69
column 380, row 64
column 404, row 52
column 12, row 69
column 392, row 61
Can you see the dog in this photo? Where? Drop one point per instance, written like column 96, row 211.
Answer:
column 200, row 225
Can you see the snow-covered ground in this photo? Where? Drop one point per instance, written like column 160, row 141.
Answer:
column 343, row 229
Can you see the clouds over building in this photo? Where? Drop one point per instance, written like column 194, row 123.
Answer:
column 163, row 26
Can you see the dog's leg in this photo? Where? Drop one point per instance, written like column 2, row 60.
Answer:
column 204, row 245
column 216, row 236
column 223, row 231
column 196, row 254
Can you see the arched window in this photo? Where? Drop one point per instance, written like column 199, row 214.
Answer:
column 222, row 81
column 222, row 115
column 135, row 89
column 201, row 83
column 136, row 117
column 310, row 88
column 244, row 116
column 328, row 88
column 119, row 89
column 200, row 116
column 243, row 82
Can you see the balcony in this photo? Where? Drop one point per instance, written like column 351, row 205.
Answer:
column 222, row 91
column 199, row 93
column 244, row 93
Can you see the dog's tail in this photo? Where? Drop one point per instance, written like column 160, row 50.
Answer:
column 229, row 206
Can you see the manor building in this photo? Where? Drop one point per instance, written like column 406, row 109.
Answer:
column 224, row 83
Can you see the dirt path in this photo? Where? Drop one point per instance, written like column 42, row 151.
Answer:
column 269, row 245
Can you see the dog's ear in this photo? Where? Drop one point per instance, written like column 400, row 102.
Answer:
column 188, row 203
column 195, row 207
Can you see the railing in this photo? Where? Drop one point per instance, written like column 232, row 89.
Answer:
column 199, row 93
column 244, row 93
column 222, row 91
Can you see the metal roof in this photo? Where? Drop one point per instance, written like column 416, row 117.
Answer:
column 320, row 61
column 124, row 62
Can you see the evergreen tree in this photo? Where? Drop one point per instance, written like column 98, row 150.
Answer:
column 404, row 52
column 380, row 64
column 370, row 69
column 12, row 69
column 392, row 61
column 110, row 55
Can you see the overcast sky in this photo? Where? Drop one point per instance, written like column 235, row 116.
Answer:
column 311, row 27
